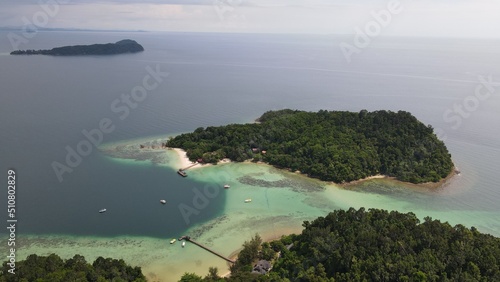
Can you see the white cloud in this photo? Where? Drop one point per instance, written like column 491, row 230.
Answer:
column 419, row 18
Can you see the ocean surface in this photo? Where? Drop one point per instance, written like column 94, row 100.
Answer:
column 215, row 79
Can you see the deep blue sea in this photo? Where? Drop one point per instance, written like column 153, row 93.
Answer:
column 215, row 79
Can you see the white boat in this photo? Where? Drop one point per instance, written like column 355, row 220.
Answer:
column 248, row 200
column 183, row 244
column 163, row 201
column 172, row 241
column 103, row 210
column 227, row 186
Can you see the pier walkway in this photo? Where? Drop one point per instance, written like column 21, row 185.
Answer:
column 188, row 167
column 187, row 238
column 182, row 171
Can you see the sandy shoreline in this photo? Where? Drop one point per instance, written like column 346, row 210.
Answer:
column 428, row 185
column 182, row 159
column 184, row 162
column 359, row 181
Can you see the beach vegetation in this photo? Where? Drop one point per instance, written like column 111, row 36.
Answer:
column 248, row 255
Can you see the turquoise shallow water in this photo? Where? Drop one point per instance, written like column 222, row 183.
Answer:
column 211, row 84
column 281, row 201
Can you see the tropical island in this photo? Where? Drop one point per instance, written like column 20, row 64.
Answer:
column 336, row 146
column 120, row 47
column 368, row 245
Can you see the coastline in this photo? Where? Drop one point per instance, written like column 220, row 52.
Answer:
column 183, row 161
column 427, row 185
column 268, row 213
column 359, row 181
column 266, row 238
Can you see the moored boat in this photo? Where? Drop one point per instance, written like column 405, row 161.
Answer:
column 173, row 241
column 227, row 186
column 248, row 200
column 183, row 244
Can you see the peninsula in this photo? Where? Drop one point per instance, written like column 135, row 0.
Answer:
column 333, row 146
column 368, row 245
column 120, row 47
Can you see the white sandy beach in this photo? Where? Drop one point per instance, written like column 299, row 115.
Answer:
column 182, row 159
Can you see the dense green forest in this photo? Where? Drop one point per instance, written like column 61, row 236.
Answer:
column 120, row 47
column 54, row 269
column 330, row 145
column 373, row 245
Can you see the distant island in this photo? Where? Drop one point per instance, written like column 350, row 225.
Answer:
column 120, row 47
column 333, row 146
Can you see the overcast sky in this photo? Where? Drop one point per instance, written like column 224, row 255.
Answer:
column 451, row 18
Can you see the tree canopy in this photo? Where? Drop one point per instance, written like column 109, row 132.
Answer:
column 377, row 245
column 54, row 269
column 334, row 146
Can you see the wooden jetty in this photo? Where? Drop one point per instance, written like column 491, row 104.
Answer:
column 188, row 167
column 182, row 171
column 187, row 238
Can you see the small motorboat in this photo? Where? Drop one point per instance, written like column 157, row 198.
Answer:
column 102, row 210
column 163, row 201
column 227, row 186
column 183, row 244
column 172, row 241
column 248, row 200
